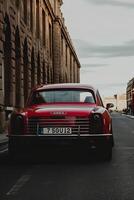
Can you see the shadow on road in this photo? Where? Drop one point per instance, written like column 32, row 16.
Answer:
column 54, row 156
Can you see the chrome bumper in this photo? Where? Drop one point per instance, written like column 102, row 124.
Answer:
column 47, row 140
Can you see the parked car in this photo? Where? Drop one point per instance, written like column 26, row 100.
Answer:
column 62, row 114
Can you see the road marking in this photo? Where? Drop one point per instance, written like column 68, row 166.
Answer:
column 19, row 184
column 4, row 151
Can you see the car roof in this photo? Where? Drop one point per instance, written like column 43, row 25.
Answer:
column 64, row 86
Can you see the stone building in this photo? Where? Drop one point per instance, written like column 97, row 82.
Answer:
column 35, row 48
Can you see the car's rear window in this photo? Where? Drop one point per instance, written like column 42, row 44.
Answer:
column 61, row 96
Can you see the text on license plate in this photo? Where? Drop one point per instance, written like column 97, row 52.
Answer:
column 57, row 130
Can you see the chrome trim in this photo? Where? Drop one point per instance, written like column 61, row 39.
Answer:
column 81, row 125
column 63, row 135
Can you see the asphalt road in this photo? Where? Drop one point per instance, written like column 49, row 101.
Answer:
column 74, row 178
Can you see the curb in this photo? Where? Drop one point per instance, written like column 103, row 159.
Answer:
column 129, row 116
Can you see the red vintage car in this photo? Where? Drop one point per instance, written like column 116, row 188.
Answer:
column 62, row 114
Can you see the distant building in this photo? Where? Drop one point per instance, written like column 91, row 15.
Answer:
column 130, row 96
column 35, row 48
column 119, row 101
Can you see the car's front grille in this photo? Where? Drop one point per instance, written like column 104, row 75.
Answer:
column 79, row 125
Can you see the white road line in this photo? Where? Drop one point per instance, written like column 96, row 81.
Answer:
column 19, row 184
column 3, row 151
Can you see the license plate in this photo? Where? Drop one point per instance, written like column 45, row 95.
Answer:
column 57, row 131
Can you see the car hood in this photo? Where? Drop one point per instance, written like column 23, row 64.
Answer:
column 68, row 110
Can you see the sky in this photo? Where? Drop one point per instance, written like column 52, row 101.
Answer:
column 102, row 32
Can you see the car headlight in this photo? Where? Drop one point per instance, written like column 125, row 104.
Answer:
column 96, row 123
column 97, row 117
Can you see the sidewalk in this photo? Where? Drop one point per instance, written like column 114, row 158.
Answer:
column 129, row 116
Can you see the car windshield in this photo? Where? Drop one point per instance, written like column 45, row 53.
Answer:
column 61, row 96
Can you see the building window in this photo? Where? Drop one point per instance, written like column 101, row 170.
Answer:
column 62, row 44
column 38, row 70
column 70, row 67
column 48, row 76
column 51, row 76
column 17, row 69
column 31, row 15
column 43, row 27
column 37, row 18
column 66, row 54
column 66, row 79
column 25, row 11
column 25, row 70
column 44, row 73
column 32, row 69
column 74, row 71
column 7, row 61
column 78, row 71
column 50, row 40
column 55, row 7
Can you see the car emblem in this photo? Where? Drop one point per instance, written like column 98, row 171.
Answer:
column 58, row 113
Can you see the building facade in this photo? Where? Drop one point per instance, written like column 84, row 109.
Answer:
column 130, row 96
column 35, row 48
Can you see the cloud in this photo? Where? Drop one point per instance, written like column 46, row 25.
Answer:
column 112, row 3
column 109, row 88
column 85, row 71
column 110, row 85
column 87, row 50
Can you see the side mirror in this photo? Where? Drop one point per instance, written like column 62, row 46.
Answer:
column 109, row 105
